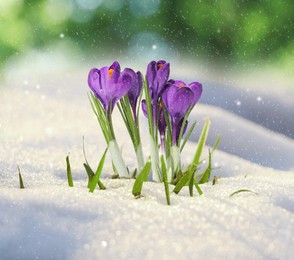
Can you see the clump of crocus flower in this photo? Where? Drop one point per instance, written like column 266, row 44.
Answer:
column 167, row 105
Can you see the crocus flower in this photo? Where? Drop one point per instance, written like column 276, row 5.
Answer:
column 135, row 90
column 178, row 98
column 109, row 84
column 157, row 75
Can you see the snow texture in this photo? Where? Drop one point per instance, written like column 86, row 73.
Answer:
column 44, row 117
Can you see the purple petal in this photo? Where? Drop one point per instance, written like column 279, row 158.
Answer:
column 116, row 71
column 179, row 103
column 167, row 96
column 151, row 73
column 125, row 83
column 94, row 82
column 196, row 87
column 144, row 108
column 161, row 78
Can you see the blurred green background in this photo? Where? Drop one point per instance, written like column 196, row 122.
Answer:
column 237, row 33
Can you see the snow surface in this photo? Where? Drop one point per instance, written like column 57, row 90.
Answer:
column 44, row 117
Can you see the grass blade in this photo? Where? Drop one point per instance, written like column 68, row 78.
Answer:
column 188, row 135
column 206, row 175
column 243, row 190
column 201, row 142
column 21, row 185
column 216, row 143
column 181, row 183
column 68, row 170
column 164, row 174
column 143, row 176
column 94, row 180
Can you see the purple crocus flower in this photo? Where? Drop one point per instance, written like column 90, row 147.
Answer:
column 109, row 84
column 157, row 75
column 177, row 99
column 135, row 90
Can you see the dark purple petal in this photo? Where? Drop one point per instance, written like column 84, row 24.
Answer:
column 161, row 122
column 157, row 75
column 179, row 102
column 161, row 78
column 150, row 75
column 116, row 71
column 135, row 90
column 196, row 87
column 94, row 82
column 125, row 83
column 144, row 108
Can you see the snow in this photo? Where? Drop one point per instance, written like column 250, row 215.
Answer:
column 44, row 117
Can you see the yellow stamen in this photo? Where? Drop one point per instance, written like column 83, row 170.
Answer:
column 110, row 72
column 181, row 85
column 159, row 65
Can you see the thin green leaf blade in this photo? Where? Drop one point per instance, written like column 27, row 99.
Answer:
column 182, row 182
column 21, row 185
column 216, row 143
column 93, row 182
column 164, row 174
column 242, row 190
column 206, row 175
column 143, row 176
column 188, row 135
column 68, row 171
column 201, row 142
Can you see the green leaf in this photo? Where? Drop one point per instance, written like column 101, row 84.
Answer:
column 94, row 180
column 206, row 175
column 183, row 124
column 243, row 190
column 188, row 135
column 164, row 174
column 68, row 170
column 143, row 176
column 198, row 188
column 182, row 182
column 89, row 171
column 149, row 108
column 216, row 143
column 21, row 186
column 201, row 142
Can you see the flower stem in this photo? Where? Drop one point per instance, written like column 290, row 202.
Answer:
column 156, row 176
column 117, row 159
column 140, row 157
column 175, row 162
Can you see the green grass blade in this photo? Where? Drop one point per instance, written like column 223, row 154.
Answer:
column 101, row 185
column 68, row 170
column 182, row 182
column 143, row 176
column 93, row 182
column 89, row 172
column 200, row 192
column 243, row 190
column 183, row 124
column 201, row 142
column 164, row 174
column 188, row 135
column 149, row 108
column 21, row 185
column 206, row 175
column 216, row 143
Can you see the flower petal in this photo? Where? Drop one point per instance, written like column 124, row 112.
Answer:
column 180, row 102
column 144, row 108
column 196, row 87
column 161, row 78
